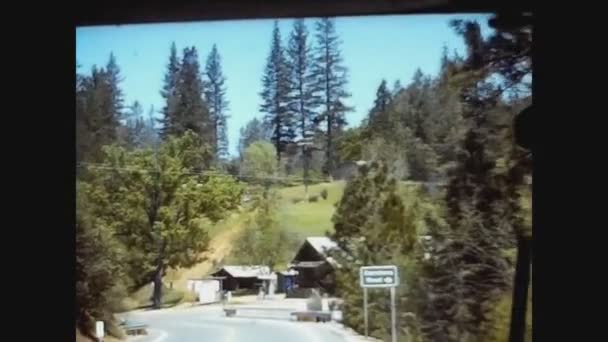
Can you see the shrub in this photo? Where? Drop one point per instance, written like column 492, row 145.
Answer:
column 189, row 297
column 114, row 330
column 117, row 297
column 324, row 194
column 129, row 304
column 314, row 198
column 296, row 200
column 172, row 297
column 497, row 327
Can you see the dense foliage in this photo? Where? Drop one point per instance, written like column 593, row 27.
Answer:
column 153, row 203
column 264, row 241
column 378, row 221
column 454, row 130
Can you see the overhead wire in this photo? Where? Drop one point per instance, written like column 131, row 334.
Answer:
column 205, row 172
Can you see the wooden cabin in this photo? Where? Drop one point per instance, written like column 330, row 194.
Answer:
column 242, row 277
column 315, row 268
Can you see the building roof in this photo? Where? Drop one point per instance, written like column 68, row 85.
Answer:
column 321, row 244
column 290, row 272
column 308, row 264
column 249, row 271
column 207, row 278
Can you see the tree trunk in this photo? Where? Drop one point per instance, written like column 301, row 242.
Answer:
column 158, row 286
column 520, row 291
column 305, row 152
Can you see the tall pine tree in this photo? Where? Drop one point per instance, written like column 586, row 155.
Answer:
column 99, row 104
column 302, row 99
column 215, row 95
column 132, row 126
column 378, row 116
column 331, row 79
column 191, row 112
column 115, row 93
column 169, row 93
column 469, row 268
column 275, row 96
column 83, row 138
column 377, row 221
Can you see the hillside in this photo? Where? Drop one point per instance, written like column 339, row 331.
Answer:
column 309, row 218
column 222, row 234
column 302, row 218
column 298, row 216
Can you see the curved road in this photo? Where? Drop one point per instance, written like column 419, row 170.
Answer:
column 210, row 324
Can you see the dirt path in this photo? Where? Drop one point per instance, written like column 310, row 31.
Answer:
column 220, row 247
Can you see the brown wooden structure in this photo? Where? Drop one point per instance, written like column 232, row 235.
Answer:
column 241, row 277
column 315, row 268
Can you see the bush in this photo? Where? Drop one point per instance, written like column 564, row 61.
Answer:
column 296, row 200
column 324, row 194
column 114, row 330
column 172, row 297
column 129, row 304
column 314, row 198
column 118, row 298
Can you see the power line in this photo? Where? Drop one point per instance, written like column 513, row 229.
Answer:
column 207, row 172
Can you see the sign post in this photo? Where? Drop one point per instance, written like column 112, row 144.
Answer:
column 393, row 315
column 382, row 277
column 365, row 311
column 99, row 330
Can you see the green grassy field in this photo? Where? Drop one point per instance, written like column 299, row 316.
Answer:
column 313, row 218
column 309, row 218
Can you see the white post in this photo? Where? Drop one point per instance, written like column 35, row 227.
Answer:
column 99, row 330
column 325, row 304
column 393, row 316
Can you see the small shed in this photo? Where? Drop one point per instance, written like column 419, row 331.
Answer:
column 316, row 269
column 242, row 277
column 208, row 289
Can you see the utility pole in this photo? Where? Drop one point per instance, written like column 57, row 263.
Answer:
column 307, row 146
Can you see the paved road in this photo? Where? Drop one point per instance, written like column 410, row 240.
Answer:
column 209, row 324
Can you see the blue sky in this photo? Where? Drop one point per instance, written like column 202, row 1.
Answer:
column 374, row 47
